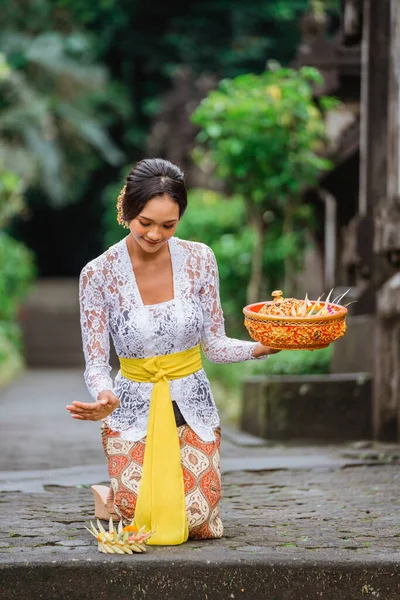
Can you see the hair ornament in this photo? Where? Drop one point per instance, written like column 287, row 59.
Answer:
column 120, row 217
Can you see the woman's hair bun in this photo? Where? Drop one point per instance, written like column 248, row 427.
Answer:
column 150, row 178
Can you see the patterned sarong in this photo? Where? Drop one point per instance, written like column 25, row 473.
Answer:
column 201, row 474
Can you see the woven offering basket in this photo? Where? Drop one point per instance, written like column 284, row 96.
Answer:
column 295, row 332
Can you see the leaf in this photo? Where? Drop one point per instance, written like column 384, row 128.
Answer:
column 49, row 51
column 94, row 528
column 90, row 531
column 311, row 74
column 101, row 528
column 214, row 130
column 92, row 132
column 49, row 158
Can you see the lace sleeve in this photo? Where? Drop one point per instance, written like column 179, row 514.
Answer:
column 95, row 335
column 217, row 347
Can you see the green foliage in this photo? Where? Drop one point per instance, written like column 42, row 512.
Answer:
column 11, row 362
column 16, row 269
column 292, row 362
column 265, row 137
column 87, row 77
column 144, row 43
column 211, row 36
column 264, row 134
column 210, row 215
column 54, row 111
column 17, row 272
column 287, row 11
column 11, row 201
column 10, row 331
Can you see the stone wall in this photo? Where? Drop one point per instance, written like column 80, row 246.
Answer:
column 333, row 407
column 355, row 351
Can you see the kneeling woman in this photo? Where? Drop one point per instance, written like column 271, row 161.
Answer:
column 158, row 297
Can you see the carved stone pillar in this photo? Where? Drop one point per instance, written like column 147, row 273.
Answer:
column 373, row 144
column 386, row 396
column 386, row 393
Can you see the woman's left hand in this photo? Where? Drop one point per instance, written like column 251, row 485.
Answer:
column 261, row 350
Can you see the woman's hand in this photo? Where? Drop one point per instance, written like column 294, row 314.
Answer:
column 261, row 350
column 106, row 403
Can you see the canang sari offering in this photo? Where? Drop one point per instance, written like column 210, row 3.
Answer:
column 292, row 324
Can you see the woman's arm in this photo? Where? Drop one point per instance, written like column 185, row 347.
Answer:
column 95, row 332
column 216, row 345
column 96, row 348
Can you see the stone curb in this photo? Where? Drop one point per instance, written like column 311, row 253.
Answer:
column 147, row 579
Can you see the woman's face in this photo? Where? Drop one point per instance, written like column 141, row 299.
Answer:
column 156, row 223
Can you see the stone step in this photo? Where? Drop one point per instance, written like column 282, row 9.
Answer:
column 209, row 577
column 50, row 324
column 296, row 534
column 53, row 294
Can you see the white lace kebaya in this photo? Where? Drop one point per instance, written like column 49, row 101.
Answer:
column 110, row 303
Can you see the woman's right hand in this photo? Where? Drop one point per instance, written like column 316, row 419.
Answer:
column 261, row 350
column 106, row 403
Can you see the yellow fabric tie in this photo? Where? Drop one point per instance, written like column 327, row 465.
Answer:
column 161, row 503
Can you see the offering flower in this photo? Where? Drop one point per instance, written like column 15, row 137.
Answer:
column 300, row 308
column 123, row 540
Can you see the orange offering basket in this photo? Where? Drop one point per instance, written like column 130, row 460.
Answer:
column 291, row 324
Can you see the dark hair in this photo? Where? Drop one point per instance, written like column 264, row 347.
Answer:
column 148, row 179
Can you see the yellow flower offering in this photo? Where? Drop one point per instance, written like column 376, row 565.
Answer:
column 120, row 540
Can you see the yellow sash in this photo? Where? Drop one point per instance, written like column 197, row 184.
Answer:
column 161, row 503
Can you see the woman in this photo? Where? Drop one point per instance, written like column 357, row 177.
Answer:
column 158, row 297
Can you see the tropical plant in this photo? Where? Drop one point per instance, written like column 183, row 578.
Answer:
column 11, row 200
column 53, row 113
column 265, row 137
column 11, row 361
column 17, row 269
column 17, row 272
column 16, row 275
column 16, row 261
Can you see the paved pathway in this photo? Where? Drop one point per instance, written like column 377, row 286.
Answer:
column 300, row 522
column 41, row 445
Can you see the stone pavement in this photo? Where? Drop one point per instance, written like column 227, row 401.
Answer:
column 300, row 522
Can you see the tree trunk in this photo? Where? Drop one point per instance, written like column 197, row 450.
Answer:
column 290, row 283
column 254, row 288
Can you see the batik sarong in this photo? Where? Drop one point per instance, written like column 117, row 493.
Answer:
column 200, row 463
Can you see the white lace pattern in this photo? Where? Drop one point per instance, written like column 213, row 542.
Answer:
column 111, row 304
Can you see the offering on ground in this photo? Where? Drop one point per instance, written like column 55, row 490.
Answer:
column 120, row 540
